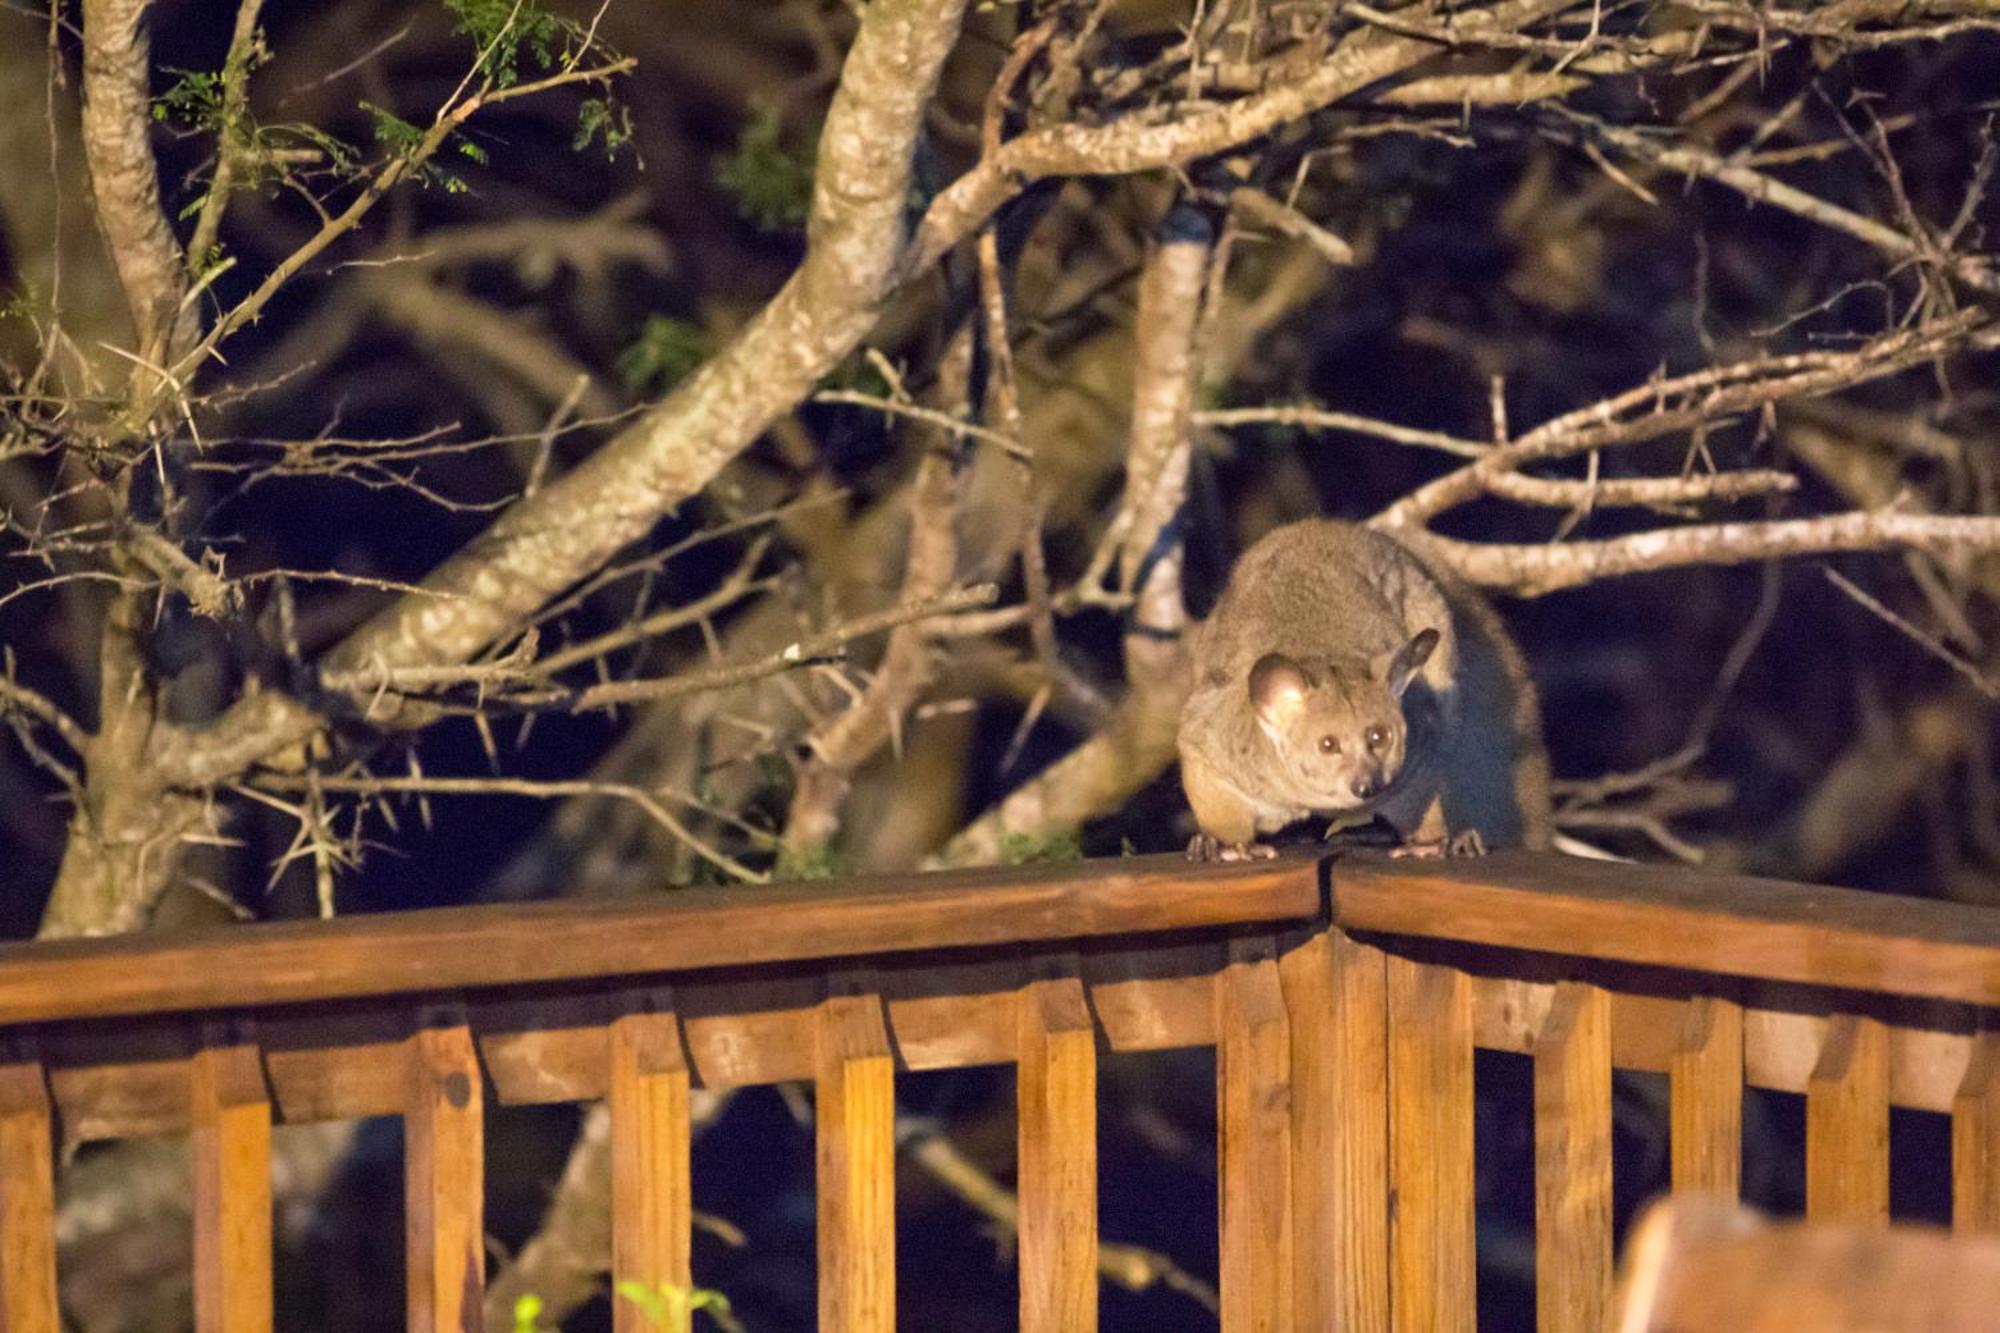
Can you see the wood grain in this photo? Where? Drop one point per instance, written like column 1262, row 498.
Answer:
column 1056, row 1093
column 444, row 1163
column 651, row 1202
column 27, row 1202
column 855, row 1135
column 466, row 947
column 1431, row 1255
column 1253, row 1061
column 1573, row 1162
column 232, row 1191
column 1975, row 1141
column 1668, row 917
column 1847, row 1124
column 1337, row 1006
column 1706, row 1099
column 343, row 1062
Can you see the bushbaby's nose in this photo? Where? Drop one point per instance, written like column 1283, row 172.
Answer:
column 1366, row 785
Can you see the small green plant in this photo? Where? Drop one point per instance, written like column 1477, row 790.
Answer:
column 810, row 863
column 771, row 184
column 528, row 1315
column 668, row 1306
column 1020, row 849
column 666, row 352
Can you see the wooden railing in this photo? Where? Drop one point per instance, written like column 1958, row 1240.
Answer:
column 1344, row 999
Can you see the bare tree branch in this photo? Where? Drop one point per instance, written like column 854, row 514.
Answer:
column 1106, row 769
column 1535, row 570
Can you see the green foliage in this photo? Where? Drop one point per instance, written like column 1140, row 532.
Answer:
column 1020, row 849
column 602, row 118
column 811, row 863
column 771, row 184
column 406, row 140
column 21, row 304
column 193, row 100
column 666, row 352
column 503, row 29
column 666, row 1304
column 392, row 131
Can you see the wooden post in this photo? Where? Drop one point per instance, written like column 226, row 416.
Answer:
column 231, row 1113
column 1573, row 1162
column 1975, row 1140
column 1253, row 1090
column 1337, row 1007
column 1706, row 1082
column 651, row 1207
column 27, row 1202
column 444, row 1182
column 856, row 1164
column 1847, row 1124
column 1431, row 1243
column 1056, row 1093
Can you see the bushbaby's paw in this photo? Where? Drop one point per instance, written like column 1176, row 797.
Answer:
column 1207, row 847
column 1465, row 842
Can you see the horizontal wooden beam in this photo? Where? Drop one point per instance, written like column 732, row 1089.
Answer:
column 131, row 1077
column 1666, row 917
column 467, row 948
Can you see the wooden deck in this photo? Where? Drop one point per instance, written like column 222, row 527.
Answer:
column 1345, row 1000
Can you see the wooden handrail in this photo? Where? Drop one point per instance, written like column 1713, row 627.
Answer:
column 1729, row 925
column 1651, row 915
column 466, row 948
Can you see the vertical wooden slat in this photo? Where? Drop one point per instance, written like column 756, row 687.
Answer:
column 651, row 1205
column 444, row 1182
column 1253, row 1091
column 27, row 1202
column 1431, row 1244
column 1573, row 1162
column 231, row 1115
column 1975, row 1140
column 1706, row 1091
column 856, row 1163
column 1057, row 1124
column 1847, row 1124
column 1337, row 1007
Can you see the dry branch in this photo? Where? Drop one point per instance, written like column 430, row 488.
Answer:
column 1103, row 772
column 846, row 741
column 1535, row 570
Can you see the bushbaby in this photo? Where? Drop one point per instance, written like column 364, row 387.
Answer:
column 1340, row 675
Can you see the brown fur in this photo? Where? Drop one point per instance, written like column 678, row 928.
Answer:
column 1341, row 600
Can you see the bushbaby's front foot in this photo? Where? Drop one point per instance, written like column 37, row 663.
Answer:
column 1465, row 842
column 1208, row 847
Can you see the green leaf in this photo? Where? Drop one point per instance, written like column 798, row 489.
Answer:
column 600, row 117
column 772, row 185
column 666, row 352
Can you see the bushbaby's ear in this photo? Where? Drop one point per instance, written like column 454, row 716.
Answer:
column 1278, row 690
column 1407, row 661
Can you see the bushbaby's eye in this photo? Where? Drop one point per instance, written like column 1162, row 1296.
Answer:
column 1328, row 745
column 1376, row 736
